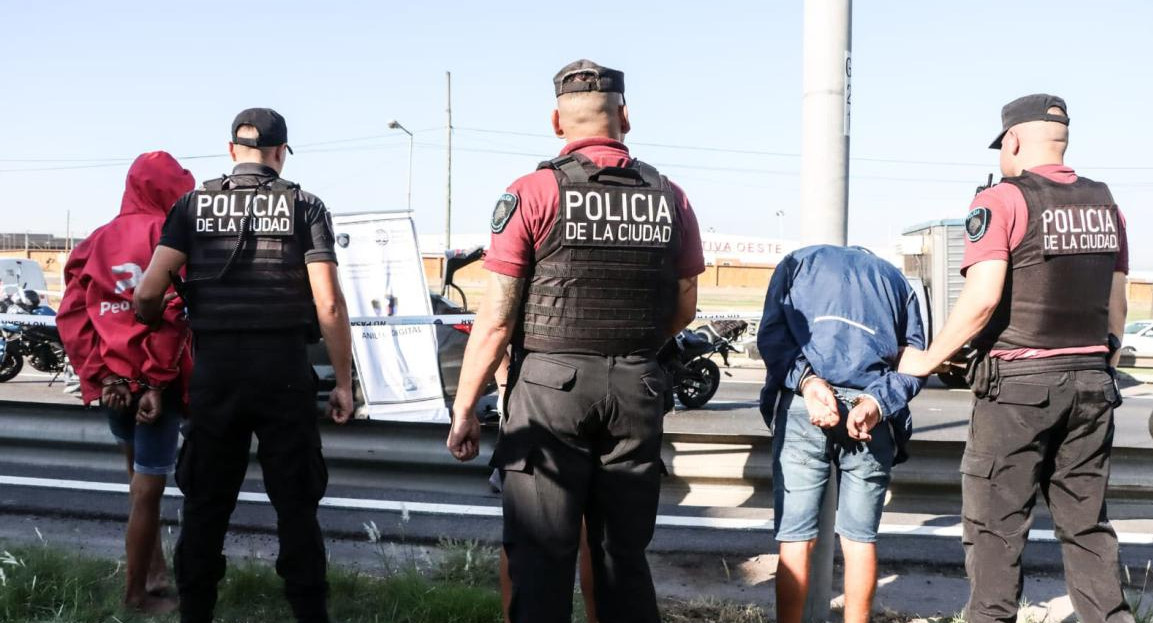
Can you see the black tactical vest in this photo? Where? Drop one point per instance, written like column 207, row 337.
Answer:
column 246, row 267
column 1057, row 288
column 604, row 280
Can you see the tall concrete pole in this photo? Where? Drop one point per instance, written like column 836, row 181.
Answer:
column 825, row 206
column 825, row 122
column 448, row 202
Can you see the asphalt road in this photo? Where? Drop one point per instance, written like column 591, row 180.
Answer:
column 939, row 413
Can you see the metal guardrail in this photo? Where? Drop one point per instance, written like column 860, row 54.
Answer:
column 727, row 471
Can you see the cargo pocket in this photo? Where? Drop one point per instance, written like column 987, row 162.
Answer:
column 977, row 493
column 977, row 464
column 1024, row 394
column 548, row 373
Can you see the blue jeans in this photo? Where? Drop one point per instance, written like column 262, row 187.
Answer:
column 802, row 456
column 153, row 445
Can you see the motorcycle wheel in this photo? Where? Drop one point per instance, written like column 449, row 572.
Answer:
column 694, row 394
column 10, row 367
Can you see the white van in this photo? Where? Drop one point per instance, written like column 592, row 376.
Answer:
column 19, row 274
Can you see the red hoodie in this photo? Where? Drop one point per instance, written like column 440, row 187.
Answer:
column 96, row 320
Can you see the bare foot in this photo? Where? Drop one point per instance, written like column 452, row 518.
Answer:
column 159, row 585
column 150, row 604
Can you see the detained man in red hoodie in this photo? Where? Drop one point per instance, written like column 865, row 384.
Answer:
column 137, row 375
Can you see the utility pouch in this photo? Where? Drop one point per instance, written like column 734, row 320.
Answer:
column 983, row 376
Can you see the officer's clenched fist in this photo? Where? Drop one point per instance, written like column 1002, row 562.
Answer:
column 340, row 404
column 464, row 437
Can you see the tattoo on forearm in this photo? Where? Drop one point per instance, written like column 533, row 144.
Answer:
column 508, row 303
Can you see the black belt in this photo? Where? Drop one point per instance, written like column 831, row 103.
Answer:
column 1061, row 363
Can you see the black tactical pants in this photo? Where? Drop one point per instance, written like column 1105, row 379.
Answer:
column 582, row 439
column 1048, row 431
column 245, row 384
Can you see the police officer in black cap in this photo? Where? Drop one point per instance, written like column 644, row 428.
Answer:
column 261, row 277
column 594, row 261
column 1044, row 303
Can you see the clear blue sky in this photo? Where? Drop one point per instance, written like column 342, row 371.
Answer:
column 90, row 81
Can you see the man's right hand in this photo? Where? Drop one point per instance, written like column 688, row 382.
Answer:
column 464, row 436
column 115, row 393
column 150, row 407
column 821, row 403
column 340, row 404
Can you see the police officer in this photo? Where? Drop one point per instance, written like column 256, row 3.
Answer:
column 1044, row 301
column 261, row 275
column 594, row 261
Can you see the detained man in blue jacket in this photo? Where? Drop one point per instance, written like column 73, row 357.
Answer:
column 835, row 323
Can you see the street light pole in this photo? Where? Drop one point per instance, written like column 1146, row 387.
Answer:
column 395, row 125
column 825, row 116
column 448, row 193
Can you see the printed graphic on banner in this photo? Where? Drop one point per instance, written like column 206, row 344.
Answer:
column 220, row 212
column 382, row 276
column 1073, row 230
column 617, row 217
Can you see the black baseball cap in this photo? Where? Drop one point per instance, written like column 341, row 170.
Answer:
column 270, row 126
column 1030, row 108
column 602, row 79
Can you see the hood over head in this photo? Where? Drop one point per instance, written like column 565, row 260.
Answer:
column 155, row 181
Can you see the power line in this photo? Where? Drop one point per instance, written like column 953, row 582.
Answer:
column 97, row 163
column 758, row 152
column 305, row 148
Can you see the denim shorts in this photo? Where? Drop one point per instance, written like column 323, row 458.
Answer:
column 153, row 445
column 802, row 456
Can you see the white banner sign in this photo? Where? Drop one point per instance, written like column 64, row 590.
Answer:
column 382, row 277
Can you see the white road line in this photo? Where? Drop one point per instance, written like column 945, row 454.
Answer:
column 472, row 510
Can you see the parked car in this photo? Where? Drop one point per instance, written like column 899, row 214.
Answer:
column 1138, row 339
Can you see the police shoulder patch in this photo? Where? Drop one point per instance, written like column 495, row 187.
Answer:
column 502, row 213
column 977, row 223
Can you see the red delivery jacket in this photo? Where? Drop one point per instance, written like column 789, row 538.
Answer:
column 96, row 318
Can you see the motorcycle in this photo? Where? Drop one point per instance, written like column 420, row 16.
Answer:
column 40, row 344
column 696, row 377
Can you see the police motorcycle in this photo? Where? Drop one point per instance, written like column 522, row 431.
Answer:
column 688, row 357
column 39, row 343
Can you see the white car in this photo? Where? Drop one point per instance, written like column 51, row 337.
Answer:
column 1138, row 339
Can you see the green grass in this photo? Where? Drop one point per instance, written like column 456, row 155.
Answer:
column 42, row 584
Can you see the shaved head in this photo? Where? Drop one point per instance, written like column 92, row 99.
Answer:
column 1034, row 143
column 589, row 114
column 1041, row 132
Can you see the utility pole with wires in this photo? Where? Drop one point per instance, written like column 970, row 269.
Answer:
column 448, row 199
column 825, row 116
